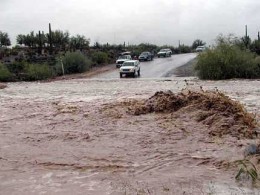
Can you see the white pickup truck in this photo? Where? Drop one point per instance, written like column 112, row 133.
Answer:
column 122, row 59
column 131, row 67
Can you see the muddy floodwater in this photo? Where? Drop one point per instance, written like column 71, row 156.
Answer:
column 77, row 137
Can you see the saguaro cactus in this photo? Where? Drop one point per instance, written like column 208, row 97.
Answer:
column 40, row 43
column 50, row 38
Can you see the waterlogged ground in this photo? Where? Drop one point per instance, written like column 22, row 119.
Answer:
column 68, row 137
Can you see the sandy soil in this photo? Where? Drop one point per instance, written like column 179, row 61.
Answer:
column 78, row 137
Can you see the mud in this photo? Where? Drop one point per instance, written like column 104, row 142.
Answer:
column 2, row 86
column 84, row 137
column 222, row 115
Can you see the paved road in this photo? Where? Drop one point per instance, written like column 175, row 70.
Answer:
column 157, row 68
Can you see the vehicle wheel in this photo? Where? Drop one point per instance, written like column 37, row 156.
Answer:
column 121, row 75
column 138, row 72
column 134, row 74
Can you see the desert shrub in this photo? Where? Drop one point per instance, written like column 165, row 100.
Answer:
column 37, row 72
column 16, row 67
column 74, row 62
column 227, row 61
column 255, row 46
column 100, row 57
column 185, row 49
column 5, row 74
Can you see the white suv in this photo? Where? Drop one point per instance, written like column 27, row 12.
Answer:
column 200, row 48
column 164, row 53
column 130, row 67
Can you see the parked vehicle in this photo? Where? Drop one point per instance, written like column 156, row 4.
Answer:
column 164, row 53
column 145, row 56
column 121, row 59
column 125, row 53
column 200, row 48
column 131, row 68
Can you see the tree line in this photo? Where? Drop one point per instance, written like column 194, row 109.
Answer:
column 59, row 39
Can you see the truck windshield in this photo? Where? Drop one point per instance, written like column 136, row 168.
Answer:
column 122, row 57
column 128, row 64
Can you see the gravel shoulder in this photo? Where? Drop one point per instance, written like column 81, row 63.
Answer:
column 186, row 70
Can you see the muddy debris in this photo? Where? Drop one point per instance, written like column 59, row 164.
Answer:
column 222, row 115
column 2, row 86
column 252, row 149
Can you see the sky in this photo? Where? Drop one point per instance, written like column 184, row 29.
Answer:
column 157, row 22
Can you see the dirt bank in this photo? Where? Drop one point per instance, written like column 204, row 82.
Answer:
column 92, row 72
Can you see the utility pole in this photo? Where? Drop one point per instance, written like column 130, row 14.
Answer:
column 179, row 46
column 258, row 36
column 246, row 30
column 62, row 66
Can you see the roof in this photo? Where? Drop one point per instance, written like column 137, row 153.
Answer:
column 132, row 61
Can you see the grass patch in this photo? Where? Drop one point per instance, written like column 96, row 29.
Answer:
column 5, row 74
column 35, row 72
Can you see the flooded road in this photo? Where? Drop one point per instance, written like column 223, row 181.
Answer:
column 77, row 137
column 157, row 68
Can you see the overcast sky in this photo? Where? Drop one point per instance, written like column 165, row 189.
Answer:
column 133, row 21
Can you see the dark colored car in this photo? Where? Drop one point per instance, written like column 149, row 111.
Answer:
column 145, row 56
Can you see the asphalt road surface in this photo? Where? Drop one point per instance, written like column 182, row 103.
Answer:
column 157, row 68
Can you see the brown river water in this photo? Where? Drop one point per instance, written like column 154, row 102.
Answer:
column 75, row 137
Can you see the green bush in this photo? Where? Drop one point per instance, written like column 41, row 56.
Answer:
column 35, row 72
column 5, row 74
column 74, row 62
column 100, row 57
column 16, row 67
column 227, row 61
